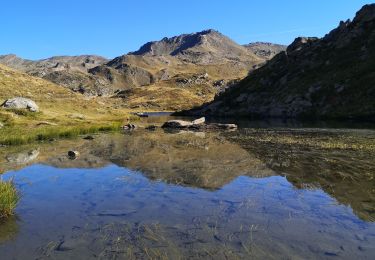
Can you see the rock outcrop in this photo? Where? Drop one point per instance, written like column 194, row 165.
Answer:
column 265, row 50
column 331, row 77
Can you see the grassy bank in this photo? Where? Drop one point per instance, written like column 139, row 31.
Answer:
column 17, row 135
column 9, row 198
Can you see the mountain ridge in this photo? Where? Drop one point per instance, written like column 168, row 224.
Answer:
column 160, row 66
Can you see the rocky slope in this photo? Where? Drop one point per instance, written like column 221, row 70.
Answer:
column 265, row 50
column 68, row 71
column 331, row 77
column 173, row 73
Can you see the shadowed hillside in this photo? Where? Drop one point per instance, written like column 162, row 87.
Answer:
column 332, row 77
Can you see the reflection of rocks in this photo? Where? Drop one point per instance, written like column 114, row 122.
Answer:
column 201, row 160
column 23, row 158
column 54, row 154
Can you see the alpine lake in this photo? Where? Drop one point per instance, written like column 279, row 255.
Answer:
column 269, row 190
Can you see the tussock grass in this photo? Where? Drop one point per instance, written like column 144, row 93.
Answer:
column 9, row 198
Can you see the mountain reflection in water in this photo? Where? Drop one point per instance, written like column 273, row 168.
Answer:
column 150, row 194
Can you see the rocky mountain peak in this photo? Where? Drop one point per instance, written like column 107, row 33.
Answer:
column 178, row 44
column 367, row 13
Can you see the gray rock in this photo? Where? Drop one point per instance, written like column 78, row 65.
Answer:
column 21, row 103
column 199, row 121
column 198, row 124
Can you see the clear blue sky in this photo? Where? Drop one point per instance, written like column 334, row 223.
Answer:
column 37, row 29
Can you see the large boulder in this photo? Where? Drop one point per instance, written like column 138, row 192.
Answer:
column 177, row 124
column 199, row 121
column 21, row 103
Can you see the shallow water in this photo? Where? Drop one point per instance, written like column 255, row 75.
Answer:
column 158, row 195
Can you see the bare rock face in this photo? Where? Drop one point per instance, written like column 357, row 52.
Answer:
column 21, row 103
column 67, row 71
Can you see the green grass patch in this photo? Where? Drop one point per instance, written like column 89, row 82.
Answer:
column 18, row 135
column 9, row 198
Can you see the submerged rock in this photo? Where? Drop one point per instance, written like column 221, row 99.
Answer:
column 21, row 103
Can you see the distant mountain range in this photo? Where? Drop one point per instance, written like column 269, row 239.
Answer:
column 192, row 67
column 331, row 77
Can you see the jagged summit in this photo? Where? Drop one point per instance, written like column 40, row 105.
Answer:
column 365, row 14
